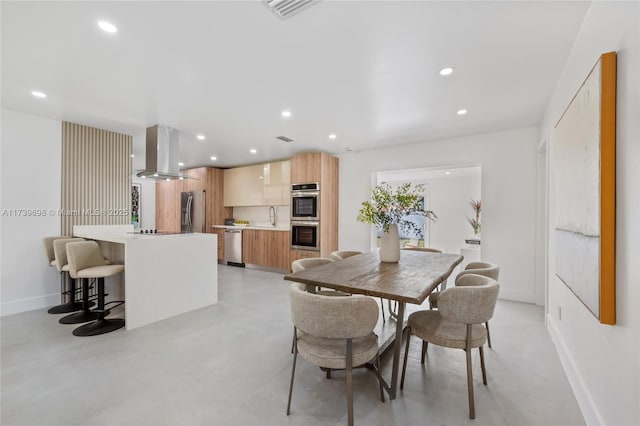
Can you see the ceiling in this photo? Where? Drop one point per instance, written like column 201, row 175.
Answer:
column 367, row 71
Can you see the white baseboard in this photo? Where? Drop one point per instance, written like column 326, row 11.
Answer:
column 29, row 304
column 516, row 295
column 587, row 406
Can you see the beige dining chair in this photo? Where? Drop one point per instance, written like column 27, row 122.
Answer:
column 457, row 323
column 343, row 254
column 479, row 268
column 408, row 247
column 334, row 333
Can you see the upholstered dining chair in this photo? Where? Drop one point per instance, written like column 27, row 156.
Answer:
column 409, row 247
column 457, row 323
column 479, row 268
column 343, row 254
column 334, row 333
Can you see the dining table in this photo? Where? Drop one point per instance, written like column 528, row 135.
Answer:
column 410, row 280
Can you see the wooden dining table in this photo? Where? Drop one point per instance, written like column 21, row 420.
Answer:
column 410, row 280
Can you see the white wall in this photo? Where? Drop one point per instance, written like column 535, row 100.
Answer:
column 30, row 155
column 508, row 161
column 449, row 199
column 602, row 361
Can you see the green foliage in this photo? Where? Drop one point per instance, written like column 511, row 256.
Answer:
column 387, row 207
column 476, row 205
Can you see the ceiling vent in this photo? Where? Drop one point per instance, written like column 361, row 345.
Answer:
column 285, row 9
column 284, row 139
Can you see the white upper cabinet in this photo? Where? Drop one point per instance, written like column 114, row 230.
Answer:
column 258, row 185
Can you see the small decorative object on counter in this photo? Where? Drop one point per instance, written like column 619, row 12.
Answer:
column 388, row 208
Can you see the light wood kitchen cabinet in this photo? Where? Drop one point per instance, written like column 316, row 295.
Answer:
column 322, row 168
column 301, row 254
column 168, row 194
column 220, row 233
column 257, row 185
column 266, row 248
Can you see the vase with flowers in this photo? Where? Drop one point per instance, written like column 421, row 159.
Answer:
column 388, row 209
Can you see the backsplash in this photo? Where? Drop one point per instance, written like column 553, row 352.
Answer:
column 259, row 216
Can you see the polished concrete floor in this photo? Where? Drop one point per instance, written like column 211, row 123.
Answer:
column 230, row 364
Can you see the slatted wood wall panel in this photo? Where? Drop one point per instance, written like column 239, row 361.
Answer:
column 96, row 177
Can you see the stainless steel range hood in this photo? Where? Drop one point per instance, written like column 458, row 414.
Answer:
column 162, row 154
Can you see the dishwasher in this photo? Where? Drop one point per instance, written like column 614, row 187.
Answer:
column 233, row 247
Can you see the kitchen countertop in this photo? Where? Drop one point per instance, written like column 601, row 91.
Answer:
column 260, row 228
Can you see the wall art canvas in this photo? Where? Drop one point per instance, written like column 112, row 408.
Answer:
column 584, row 170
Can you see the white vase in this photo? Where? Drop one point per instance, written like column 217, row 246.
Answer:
column 390, row 245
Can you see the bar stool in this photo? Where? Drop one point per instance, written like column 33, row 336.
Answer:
column 71, row 305
column 82, row 313
column 60, row 254
column 86, row 262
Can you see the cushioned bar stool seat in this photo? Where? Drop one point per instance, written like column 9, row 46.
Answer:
column 83, row 303
column 86, row 262
column 68, row 290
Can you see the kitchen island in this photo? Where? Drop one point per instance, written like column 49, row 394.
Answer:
column 165, row 274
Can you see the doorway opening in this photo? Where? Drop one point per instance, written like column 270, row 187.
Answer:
column 448, row 193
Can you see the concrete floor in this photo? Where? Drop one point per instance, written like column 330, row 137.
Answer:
column 230, row 364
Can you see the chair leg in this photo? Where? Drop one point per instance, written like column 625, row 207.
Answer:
column 293, row 369
column 293, row 339
column 349, row 383
column 424, row 351
column 380, row 376
column 488, row 334
column 472, row 410
column 406, row 355
column 382, row 307
column 328, row 373
column 484, row 370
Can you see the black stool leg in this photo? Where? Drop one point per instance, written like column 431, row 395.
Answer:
column 101, row 325
column 72, row 305
column 85, row 315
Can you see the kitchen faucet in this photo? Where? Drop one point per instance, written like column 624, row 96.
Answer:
column 272, row 215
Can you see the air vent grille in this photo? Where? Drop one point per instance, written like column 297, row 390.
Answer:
column 285, row 9
column 284, row 139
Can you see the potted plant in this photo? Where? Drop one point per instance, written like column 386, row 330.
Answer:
column 388, row 208
column 476, row 205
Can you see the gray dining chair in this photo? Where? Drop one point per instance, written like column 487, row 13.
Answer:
column 408, row 247
column 343, row 254
column 479, row 268
column 334, row 333
column 457, row 323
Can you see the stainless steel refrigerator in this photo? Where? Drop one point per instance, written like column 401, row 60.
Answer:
column 192, row 216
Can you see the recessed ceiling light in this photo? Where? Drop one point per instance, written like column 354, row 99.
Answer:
column 143, row 177
column 286, row 113
column 107, row 27
column 446, row 71
column 38, row 94
column 181, row 177
column 462, row 111
column 447, row 173
column 167, row 179
column 155, row 174
column 132, row 155
column 253, row 151
column 214, row 158
column 181, row 164
column 332, row 136
column 260, row 177
column 200, row 137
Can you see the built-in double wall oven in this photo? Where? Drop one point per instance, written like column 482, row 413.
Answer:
column 305, row 216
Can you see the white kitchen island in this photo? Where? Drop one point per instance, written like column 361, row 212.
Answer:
column 165, row 275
